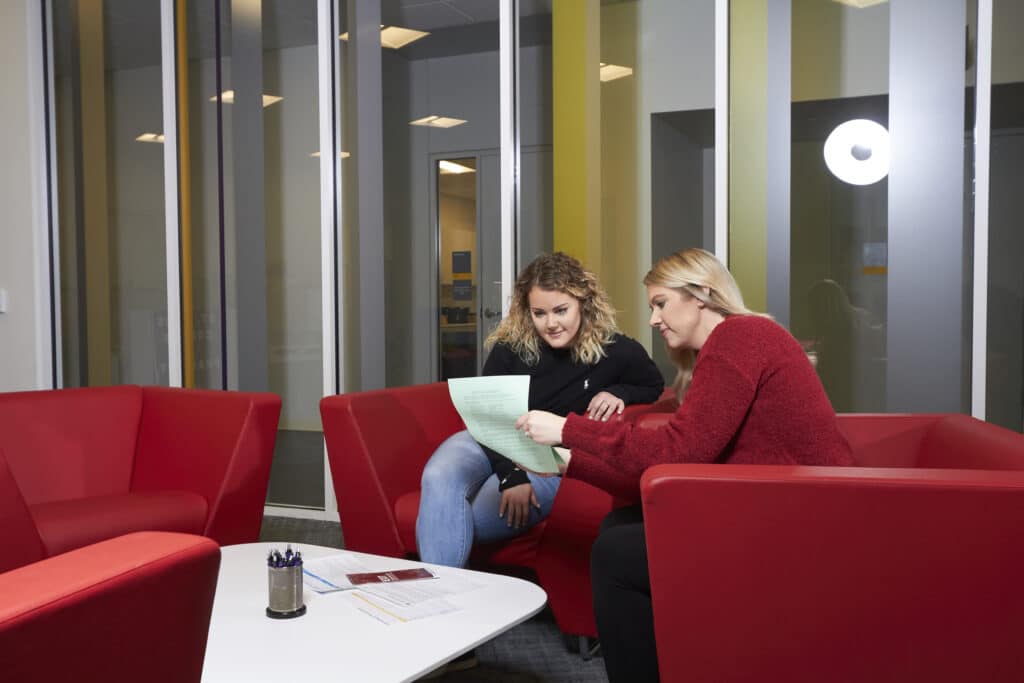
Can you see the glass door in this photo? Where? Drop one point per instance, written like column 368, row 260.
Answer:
column 458, row 266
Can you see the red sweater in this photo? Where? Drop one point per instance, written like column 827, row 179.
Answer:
column 754, row 399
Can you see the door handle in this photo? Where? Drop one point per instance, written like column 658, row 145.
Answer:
column 488, row 313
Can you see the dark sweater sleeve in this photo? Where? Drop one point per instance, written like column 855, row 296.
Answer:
column 640, row 381
column 499, row 362
column 700, row 430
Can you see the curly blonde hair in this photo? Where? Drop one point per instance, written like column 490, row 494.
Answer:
column 558, row 272
column 689, row 271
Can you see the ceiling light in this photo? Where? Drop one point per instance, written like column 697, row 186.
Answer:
column 343, row 155
column 609, row 72
column 448, row 167
column 859, row 4
column 151, row 137
column 395, row 37
column 435, row 121
column 857, row 152
column 228, row 97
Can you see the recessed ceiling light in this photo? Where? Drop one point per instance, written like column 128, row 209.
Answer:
column 610, row 72
column 343, row 155
column 435, row 121
column 859, row 4
column 228, row 97
column 151, row 137
column 395, row 37
column 448, row 167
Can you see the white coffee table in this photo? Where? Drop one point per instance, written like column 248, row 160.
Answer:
column 334, row 641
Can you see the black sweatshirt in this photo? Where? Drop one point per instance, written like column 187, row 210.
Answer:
column 560, row 386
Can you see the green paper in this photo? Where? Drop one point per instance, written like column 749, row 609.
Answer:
column 490, row 407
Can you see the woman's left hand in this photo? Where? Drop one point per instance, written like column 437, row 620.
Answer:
column 543, row 427
column 604, row 405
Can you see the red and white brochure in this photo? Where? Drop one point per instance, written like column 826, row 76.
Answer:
column 392, row 576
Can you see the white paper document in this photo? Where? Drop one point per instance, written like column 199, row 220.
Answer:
column 389, row 613
column 327, row 574
column 395, row 603
column 490, row 407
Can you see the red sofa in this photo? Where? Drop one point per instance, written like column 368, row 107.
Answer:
column 101, row 462
column 907, row 568
column 136, row 607
column 378, row 443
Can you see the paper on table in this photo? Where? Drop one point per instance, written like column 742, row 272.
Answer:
column 327, row 574
column 393, row 603
column 390, row 613
column 490, row 407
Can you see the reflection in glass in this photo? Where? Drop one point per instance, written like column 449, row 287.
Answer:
column 839, row 230
column 458, row 285
column 268, row 299
column 109, row 126
column 440, row 100
column 1004, row 401
column 623, row 93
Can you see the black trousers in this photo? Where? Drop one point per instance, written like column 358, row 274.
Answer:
column 622, row 598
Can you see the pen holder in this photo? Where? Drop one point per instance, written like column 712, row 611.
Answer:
column 285, row 587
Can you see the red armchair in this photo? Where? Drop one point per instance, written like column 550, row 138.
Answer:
column 134, row 607
column 100, row 462
column 378, row 443
column 905, row 569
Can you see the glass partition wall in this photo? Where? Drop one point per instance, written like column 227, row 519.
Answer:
column 851, row 205
column 618, row 136
column 383, row 266
column 110, row 191
column 1004, row 399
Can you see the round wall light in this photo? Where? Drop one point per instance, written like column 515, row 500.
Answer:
column 857, row 152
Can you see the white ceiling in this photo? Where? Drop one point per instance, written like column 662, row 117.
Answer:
column 132, row 27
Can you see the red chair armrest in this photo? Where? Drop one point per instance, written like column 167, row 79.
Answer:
column 835, row 573
column 136, row 607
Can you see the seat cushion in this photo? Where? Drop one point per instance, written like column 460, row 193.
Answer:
column 520, row 551
column 69, row 524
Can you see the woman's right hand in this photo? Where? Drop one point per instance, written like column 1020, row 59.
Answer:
column 515, row 505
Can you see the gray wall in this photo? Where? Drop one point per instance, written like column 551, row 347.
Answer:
column 24, row 330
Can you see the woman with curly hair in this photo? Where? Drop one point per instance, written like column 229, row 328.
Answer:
column 561, row 332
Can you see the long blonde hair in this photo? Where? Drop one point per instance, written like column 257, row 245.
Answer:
column 689, row 272
column 558, row 272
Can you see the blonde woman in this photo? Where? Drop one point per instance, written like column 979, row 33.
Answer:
column 561, row 332
column 748, row 394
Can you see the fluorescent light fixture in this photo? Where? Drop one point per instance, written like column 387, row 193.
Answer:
column 228, row 97
column 448, row 167
column 859, row 4
column 395, row 37
column 435, row 121
column 610, row 72
column 343, row 155
column 857, row 152
column 151, row 137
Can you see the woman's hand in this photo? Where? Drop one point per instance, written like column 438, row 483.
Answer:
column 543, row 427
column 516, row 501
column 604, row 405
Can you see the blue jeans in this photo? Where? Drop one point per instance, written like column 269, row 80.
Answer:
column 459, row 501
